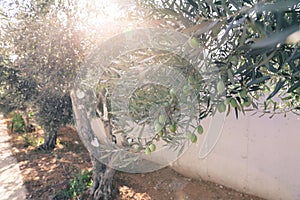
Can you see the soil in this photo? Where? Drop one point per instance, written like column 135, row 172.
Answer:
column 47, row 173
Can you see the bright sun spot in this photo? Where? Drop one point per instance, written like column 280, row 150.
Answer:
column 106, row 11
column 105, row 18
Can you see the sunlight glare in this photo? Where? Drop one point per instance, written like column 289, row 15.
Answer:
column 104, row 12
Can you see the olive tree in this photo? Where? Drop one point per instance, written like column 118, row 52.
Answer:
column 42, row 46
column 40, row 54
column 253, row 46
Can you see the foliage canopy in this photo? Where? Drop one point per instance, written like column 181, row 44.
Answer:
column 253, row 44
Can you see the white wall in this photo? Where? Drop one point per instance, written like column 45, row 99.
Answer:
column 255, row 155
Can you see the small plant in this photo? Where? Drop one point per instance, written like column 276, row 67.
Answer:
column 33, row 140
column 18, row 124
column 81, row 182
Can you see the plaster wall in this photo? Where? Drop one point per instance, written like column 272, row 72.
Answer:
column 256, row 155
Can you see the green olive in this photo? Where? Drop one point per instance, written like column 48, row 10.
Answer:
column 160, row 133
column 222, row 107
column 147, row 151
column 233, row 103
column 247, row 101
column 193, row 138
column 234, row 60
column 162, row 119
column 152, row 147
column 191, row 79
column 172, row 128
column 186, row 90
column 188, row 135
column 200, row 129
column 193, row 42
column 227, row 100
column 157, row 126
column 172, row 93
column 243, row 93
column 220, row 87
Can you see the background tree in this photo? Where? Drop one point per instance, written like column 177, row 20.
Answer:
column 253, row 44
column 43, row 44
column 40, row 57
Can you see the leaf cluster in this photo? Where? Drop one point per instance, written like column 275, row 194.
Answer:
column 254, row 45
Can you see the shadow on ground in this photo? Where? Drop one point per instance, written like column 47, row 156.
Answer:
column 45, row 174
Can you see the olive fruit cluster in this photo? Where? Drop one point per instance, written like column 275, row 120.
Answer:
column 165, row 129
column 239, row 101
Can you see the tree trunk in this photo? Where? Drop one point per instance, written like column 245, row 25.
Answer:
column 49, row 140
column 102, row 188
column 103, row 175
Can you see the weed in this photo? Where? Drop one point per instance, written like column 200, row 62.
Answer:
column 81, row 182
column 32, row 140
column 18, row 124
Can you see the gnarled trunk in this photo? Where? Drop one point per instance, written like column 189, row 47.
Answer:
column 102, row 188
column 49, row 140
column 102, row 181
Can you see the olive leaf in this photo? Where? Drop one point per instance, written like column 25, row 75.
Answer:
column 294, row 87
column 258, row 80
column 278, row 86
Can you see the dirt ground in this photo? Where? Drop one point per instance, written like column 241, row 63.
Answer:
column 45, row 174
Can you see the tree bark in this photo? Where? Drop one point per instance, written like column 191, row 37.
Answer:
column 103, row 175
column 49, row 140
column 102, row 188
